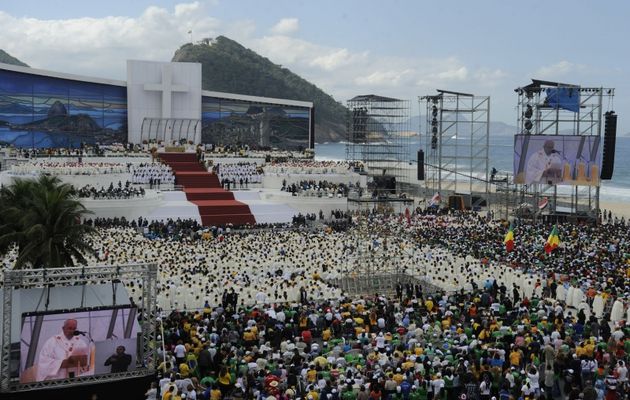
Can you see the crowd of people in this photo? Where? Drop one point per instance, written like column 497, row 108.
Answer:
column 242, row 173
column 466, row 345
column 119, row 191
column 299, row 166
column 182, row 229
column 49, row 167
column 518, row 328
column 153, row 174
column 259, row 313
column 451, row 251
column 253, row 314
column 317, row 188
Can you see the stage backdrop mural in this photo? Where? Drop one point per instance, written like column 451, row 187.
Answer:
column 42, row 111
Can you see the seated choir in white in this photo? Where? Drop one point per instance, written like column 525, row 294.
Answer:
column 308, row 167
column 247, row 172
column 144, row 173
column 67, row 168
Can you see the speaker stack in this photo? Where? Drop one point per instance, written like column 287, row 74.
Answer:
column 420, row 165
column 610, row 138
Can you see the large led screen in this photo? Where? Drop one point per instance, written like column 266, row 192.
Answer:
column 259, row 126
column 66, row 345
column 557, row 160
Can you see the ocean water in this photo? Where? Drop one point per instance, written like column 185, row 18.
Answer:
column 501, row 156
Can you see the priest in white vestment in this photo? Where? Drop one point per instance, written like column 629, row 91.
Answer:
column 64, row 355
column 616, row 313
column 598, row 306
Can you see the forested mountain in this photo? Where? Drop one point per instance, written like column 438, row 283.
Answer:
column 230, row 67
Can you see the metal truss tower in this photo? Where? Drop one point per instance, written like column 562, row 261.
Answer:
column 456, row 143
column 378, row 136
column 536, row 115
column 59, row 277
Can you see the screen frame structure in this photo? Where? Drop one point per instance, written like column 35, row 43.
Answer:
column 229, row 121
column 17, row 280
column 574, row 160
column 113, row 321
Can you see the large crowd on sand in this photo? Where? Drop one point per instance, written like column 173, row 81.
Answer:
column 258, row 313
column 254, row 315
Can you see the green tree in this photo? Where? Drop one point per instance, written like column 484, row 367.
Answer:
column 43, row 219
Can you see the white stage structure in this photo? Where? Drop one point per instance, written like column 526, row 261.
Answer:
column 168, row 95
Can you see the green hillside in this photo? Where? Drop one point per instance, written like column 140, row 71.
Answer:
column 8, row 59
column 230, row 67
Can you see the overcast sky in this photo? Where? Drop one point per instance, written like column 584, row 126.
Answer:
column 403, row 48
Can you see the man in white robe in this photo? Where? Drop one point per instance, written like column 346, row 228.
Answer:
column 616, row 313
column 545, row 165
column 64, row 355
column 578, row 297
column 561, row 293
column 598, row 306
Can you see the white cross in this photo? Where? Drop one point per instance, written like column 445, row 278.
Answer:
column 167, row 88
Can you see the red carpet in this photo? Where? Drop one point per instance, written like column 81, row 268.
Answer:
column 216, row 205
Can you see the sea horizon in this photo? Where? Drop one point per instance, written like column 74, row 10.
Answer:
column 501, row 155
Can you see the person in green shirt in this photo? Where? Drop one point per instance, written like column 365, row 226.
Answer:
column 418, row 393
column 209, row 381
column 348, row 393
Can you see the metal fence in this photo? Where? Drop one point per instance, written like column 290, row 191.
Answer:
column 384, row 284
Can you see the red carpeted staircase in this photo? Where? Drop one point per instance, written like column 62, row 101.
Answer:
column 216, row 205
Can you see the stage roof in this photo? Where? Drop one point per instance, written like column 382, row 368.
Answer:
column 113, row 82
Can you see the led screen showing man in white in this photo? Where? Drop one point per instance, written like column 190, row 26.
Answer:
column 66, row 345
column 556, row 160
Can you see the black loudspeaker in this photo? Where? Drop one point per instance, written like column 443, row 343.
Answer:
column 456, row 203
column 610, row 138
column 420, row 165
column 385, row 183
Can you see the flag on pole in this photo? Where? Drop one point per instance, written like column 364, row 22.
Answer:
column 509, row 240
column 552, row 241
column 435, row 200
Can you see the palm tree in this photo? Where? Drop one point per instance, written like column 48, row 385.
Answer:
column 43, row 219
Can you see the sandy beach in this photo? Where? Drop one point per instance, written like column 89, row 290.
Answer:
column 619, row 209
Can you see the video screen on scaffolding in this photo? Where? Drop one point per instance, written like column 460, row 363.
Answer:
column 557, row 160
column 71, row 344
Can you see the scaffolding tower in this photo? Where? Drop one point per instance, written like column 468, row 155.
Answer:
column 377, row 259
column 457, row 145
column 378, row 136
column 539, row 114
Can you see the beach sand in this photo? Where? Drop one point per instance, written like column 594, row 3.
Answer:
column 619, row 209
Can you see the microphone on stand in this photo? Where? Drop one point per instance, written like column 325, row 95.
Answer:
column 77, row 333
